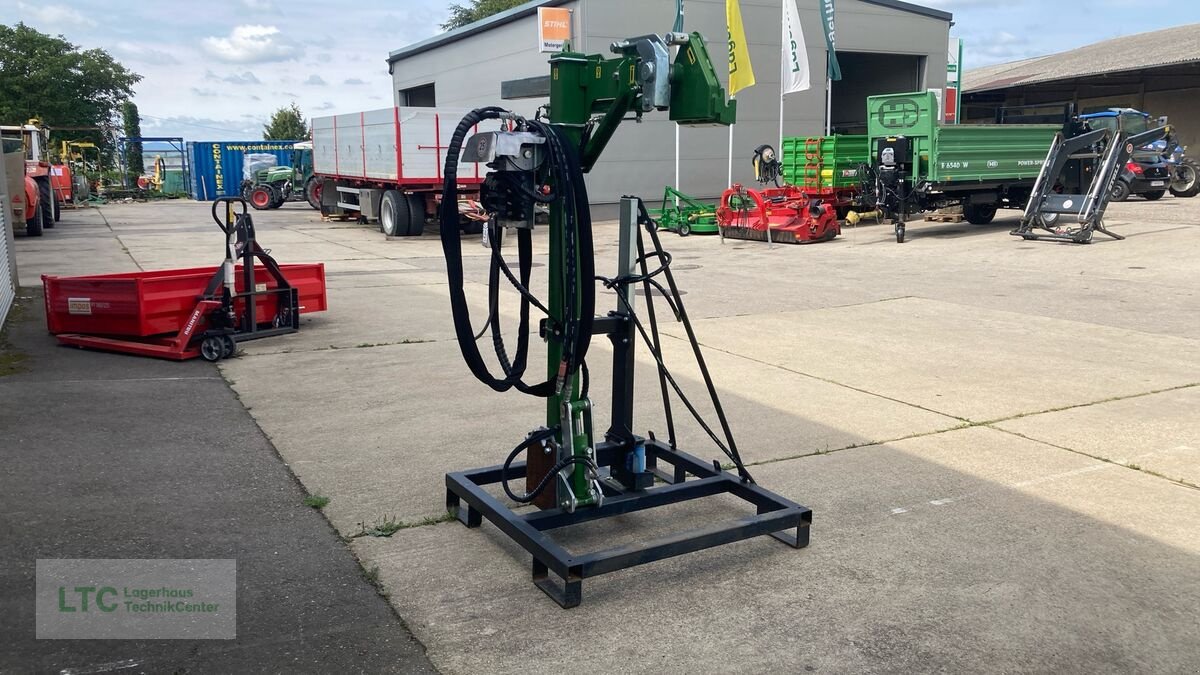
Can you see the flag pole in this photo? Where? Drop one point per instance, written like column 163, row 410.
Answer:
column 729, row 175
column 828, row 99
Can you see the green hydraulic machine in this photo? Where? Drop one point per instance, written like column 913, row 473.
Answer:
column 572, row 472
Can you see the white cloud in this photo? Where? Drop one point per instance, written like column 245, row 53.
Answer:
column 142, row 53
column 258, row 5
column 315, row 80
column 53, row 15
column 252, row 44
column 206, row 93
column 236, row 78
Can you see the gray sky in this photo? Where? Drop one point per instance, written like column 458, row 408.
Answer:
column 215, row 70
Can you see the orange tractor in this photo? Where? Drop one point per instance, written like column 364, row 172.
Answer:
column 26, row 153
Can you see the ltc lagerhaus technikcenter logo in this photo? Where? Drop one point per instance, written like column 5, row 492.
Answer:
column 136, row 599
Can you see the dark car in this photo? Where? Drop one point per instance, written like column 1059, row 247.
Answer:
column 1147, row 174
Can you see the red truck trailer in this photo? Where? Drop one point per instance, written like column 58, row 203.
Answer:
column 386, row 165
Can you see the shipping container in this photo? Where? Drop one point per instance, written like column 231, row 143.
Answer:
column 217, row 165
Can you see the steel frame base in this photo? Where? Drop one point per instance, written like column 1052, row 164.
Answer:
column 690, row 478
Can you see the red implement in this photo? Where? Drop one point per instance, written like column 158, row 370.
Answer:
column 160, row 313
column 787, row 213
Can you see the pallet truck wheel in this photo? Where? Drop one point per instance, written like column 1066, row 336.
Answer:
column 899, row 233
column 228, row 346
column 212, row 348
column 685, row 229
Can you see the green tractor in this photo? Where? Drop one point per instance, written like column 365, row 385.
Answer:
column 273, row 186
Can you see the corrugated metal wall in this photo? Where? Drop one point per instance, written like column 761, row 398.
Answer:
column 8, row 269
column 217, row 166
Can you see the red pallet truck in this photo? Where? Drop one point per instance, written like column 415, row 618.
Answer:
column 184, row 313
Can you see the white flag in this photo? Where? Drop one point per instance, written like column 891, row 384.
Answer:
column 795, row 54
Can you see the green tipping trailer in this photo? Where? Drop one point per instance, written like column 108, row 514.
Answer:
column 824, row 163
column 917, row 164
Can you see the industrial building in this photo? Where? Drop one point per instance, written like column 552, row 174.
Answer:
column 883, row 46
column 1157, row 72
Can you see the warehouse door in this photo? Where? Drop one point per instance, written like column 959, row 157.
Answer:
column 867, row 74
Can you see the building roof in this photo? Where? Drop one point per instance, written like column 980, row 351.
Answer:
column 1170, row 46
column 531, row 7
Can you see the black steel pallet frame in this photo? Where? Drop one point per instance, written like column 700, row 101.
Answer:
column 775, row 517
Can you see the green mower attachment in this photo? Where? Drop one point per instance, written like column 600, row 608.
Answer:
column 684, row 214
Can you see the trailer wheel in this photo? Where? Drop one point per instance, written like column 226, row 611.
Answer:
column 979, row 214
column 212, row 348
column 393, row 214
column 685, row 229
column 228, row 346
column 46, row 199
column 260, row 198
column 33, row 225
column 899, row 233
column 1154, row 196
column 416, row 215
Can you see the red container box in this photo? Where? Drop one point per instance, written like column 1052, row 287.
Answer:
column 144, row 304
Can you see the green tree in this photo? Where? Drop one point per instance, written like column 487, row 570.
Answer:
column 477, row 9
column 133, row 129
column 287, row 124
column 75, row 90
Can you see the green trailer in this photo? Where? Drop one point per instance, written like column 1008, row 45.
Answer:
column 917, row 164
column 824, row 163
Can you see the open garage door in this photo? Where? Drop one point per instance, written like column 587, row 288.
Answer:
column 868, row 74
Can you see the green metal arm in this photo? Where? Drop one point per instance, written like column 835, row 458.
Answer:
column 595, row 94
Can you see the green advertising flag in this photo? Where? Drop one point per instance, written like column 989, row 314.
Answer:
column 834, row 70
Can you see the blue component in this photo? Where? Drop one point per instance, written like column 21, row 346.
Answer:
column 636, row 460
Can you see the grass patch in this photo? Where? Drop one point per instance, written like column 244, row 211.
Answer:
column 316, row 501
column 386, row 526
column 12, row 360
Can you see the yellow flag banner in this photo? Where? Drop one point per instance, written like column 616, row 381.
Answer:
column 741, row 74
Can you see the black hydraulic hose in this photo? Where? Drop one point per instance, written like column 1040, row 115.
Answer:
column 452, row 249
column 656, row 343
column 534, row 440
column 691, row 334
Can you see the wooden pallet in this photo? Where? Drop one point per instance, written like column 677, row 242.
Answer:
column 944, row 218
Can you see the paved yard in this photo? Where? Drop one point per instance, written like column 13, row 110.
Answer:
column 998, row 439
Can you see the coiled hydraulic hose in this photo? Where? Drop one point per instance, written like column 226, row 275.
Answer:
column 574, row 331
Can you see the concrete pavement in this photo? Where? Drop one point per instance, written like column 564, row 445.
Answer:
column 997, row 437
column 109, row 456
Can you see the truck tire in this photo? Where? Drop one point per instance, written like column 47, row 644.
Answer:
column 312, row 192
column 416, row 215
column 261, row 198
column 33, row 225
column 979, row 214
column 1154, row 195
column 393, row 214
column 46, row 199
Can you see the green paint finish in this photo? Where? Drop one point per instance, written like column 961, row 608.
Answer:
column 696, row 93
column 584, row 87
column 959, row 153
column 823, row 162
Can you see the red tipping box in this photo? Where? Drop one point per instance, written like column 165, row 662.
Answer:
column 142, row 304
